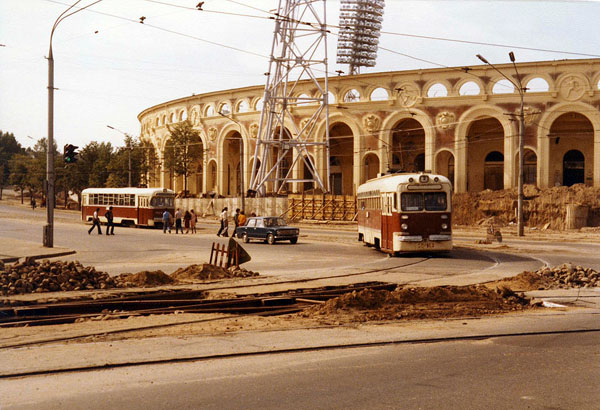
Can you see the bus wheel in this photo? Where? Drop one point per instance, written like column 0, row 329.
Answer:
column 361, row 237
column 377, row 244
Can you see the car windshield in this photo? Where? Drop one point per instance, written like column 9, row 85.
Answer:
column 272, row 222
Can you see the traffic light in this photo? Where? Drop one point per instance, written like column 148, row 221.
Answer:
column 69, row 154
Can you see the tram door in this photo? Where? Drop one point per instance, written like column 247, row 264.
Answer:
column 387, row 233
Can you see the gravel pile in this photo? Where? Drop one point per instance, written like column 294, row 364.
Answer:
column 34, row 277
column 568, row 275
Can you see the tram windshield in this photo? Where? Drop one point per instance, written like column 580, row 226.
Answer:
column 162, row 201
column 430, row 201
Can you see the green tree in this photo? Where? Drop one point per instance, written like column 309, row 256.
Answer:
column 184, row 147
column 9, row 146
column 93, row 160
column 19, row 172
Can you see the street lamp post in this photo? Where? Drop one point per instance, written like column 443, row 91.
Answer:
column 48, row 233
column 128, row 137
column 519, row 87
column 242, row 196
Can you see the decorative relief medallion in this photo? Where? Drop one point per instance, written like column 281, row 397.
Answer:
column 531, row 115
column 303, row 123
column 572, row 87
column 254, row 130
column 445, row 120
column 212, row 133
column 407, row 94
column 371, row 122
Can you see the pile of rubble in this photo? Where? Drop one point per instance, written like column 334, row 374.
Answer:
column 419, row 303
column 34, row 277
column 144, row 278
column 208, row 272
column 543, row 208
column 566, row 275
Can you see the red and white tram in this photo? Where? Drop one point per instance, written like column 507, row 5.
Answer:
column 131, row 206
column 406, row 213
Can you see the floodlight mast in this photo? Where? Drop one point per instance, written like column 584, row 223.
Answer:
column 299, row 44
column 360, row 28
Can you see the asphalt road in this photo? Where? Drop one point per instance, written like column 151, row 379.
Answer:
column 528, row 372
column 319, row 253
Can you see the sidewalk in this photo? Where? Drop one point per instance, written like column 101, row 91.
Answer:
column 11, row 250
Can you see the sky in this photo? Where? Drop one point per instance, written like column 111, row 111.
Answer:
column 109, row 67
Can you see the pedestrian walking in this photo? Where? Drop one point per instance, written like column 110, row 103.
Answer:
column 95, row 222
column 110, row 226
column 178, row 226
column 166, row 218
column 186, row 221
column 193, row 221
column 236, row 218
column 224, row 223
column 33, row 203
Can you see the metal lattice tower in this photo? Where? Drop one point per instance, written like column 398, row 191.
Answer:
column 299, row 47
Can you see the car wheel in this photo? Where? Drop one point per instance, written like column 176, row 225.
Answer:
column 270, row 239
column 293, row 240
column 245, row 238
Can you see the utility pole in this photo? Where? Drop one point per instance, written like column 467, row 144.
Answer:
column 48, row 232
column 519, row 87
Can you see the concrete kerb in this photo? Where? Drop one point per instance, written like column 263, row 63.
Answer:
column 13, row 250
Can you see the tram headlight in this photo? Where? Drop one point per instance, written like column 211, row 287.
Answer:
column 444, row 226
column 404, row 227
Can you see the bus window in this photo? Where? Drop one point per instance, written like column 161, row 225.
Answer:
column 411, row 201
column 435, row 201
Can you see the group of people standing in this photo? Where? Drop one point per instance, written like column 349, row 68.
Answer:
column 239, row 219
column 110, row 225
column 189, row 218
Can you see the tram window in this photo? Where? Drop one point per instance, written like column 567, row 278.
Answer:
column 411, row 201
column 435, row 201
column 395, row 202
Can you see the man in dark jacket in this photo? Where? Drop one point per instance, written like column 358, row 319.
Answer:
column 110, row 226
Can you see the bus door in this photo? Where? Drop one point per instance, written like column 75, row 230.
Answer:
column 387, row 233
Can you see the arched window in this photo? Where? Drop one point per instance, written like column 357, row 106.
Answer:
column 352, row 96
column 469, row 88
column 380, row 94
column 503, row 87
column 437, row 90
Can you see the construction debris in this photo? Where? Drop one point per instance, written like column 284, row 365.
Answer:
column 144, row 278
column 542, row 208
column 34, row 277
column 419, row 303
column 566, row 275
column 207, row 272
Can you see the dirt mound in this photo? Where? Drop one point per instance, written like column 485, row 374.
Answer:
column 34, row 277
column 144, row 278
column 419, row 303
column 566, row 275
column 545, row 207
column 207, row 272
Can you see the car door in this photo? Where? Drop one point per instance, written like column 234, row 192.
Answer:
column 261, row 230
column 250, row 228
